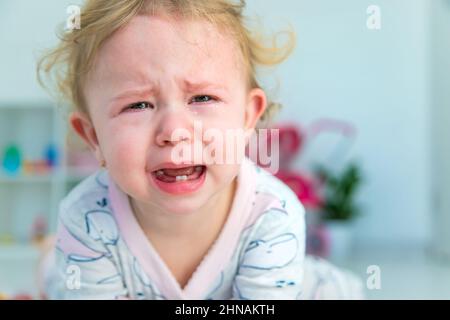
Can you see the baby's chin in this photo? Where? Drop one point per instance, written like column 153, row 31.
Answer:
column 169, row 205
column 181, row 207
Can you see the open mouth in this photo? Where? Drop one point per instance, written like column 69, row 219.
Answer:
column 179, row 174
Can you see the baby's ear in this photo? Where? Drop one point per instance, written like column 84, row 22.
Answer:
column 83, row 126
column 256, row 105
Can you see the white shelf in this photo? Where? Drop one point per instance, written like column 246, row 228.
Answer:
column 18, row 269
column 18, row 252
column 21, row 178
column 71, row 175
column 32, row 126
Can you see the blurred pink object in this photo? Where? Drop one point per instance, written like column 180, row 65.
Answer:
column 290, row 144
column 305, row 188
column 39, row 229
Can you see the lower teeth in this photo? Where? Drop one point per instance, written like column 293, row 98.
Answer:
column 181, row 178
column 197, row 169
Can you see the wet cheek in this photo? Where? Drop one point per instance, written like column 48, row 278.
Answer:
column 226, row 120
column 126, row 151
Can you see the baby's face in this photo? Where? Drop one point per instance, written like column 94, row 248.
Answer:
column 156, row 76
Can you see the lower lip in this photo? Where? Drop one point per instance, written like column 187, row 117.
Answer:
column 180, row 187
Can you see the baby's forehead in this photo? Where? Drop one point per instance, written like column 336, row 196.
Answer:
column 165, row 45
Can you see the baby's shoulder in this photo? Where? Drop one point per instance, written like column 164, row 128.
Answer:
column 275, row 232
column 271, row 192
column 275, row 206
column 86, row 202
column 87, row 229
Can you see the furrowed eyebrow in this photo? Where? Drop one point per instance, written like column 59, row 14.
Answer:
column 195, row 86
column 133, row 92
column 150, row 90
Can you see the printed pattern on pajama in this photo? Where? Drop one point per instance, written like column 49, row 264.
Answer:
column 102, row 253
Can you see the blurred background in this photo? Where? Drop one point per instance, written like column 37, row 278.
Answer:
column 364, row 125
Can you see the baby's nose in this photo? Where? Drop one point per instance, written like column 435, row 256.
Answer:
column 174, row 127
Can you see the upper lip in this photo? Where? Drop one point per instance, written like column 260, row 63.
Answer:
column 171, row 165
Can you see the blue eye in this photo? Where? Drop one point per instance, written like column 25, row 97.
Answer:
column 140, row 106
column 202, row 99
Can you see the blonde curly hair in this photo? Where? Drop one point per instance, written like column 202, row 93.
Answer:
column 65, row 67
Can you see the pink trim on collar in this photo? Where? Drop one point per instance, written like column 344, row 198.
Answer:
column 218, row 256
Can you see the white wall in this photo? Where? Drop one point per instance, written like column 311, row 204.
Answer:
column 26, row 28
column 378, row 81
column 441, row 116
